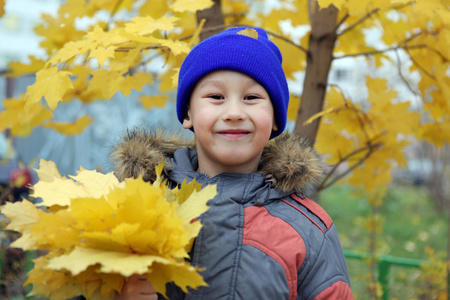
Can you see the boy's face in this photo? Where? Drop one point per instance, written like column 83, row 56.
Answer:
column 232, row 116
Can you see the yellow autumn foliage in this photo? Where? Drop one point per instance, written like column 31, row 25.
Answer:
column 111, row 56
column 99, row 231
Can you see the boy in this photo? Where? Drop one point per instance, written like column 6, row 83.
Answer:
column 261, row 239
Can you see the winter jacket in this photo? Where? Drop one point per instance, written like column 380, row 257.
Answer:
column 262, row 238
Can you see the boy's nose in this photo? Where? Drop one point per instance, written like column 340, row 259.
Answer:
column 234, row 111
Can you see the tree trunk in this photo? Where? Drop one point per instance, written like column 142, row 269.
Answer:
column 319, row 58
column 213, row 16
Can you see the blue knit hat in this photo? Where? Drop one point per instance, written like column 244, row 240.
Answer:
column 233, row 49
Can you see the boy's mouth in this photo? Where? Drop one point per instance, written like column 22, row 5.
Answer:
column 234, row 133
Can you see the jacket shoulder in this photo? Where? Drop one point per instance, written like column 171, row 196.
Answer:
column 300, row 211
column 312, row 210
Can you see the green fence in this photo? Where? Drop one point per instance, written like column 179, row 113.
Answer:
column 384, row 263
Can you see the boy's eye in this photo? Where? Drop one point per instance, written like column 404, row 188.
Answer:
column 252, row 97
column 215, row 97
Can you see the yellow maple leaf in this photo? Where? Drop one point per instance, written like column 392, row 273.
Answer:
column 182, row 274
column 150, row 101
column 70, row 128
column 371, row 177
column 69, row 51
column 168, row 79
column 191, row 5
column 321, row 114
column 47, row 171
column 143, row 78
column 437, row 133
column 17, row 69
column 50, row 84
column 19, row 121
column 174, row 77
column 155, row 8
column 102, row 54
column 22, row 215
column 109, row 82
column 176, row 47
column 109, row 231
column 102, row 80
column 343, row 144
column 125, row 84
column 73, row 9
column 437, row 108
column 111, row 6
column 250, row 32
column 58, row 190
column 192, row 207
column 148, row 25
column 196, row 35
column 57, row 31
column 122, row 61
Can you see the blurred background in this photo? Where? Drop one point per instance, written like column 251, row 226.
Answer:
column 408, row 232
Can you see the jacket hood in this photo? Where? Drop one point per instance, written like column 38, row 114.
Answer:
column 287, row 161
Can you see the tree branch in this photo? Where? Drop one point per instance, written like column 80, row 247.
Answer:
column 368, row 15
column 399, row 67
column 420, row 67
column 286, row 40
column 350, row 27
column 374, row 52
column 224, row 26
column 370, row 146
column 325, row 184
column 342, row 21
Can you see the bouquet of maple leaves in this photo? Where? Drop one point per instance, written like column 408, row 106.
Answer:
column 98, row 231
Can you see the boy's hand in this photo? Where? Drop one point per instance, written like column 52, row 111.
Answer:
column 137, row 288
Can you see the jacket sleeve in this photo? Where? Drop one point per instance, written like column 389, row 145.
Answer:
column 327, row 274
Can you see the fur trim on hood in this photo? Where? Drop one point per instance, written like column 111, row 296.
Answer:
column 287, row 161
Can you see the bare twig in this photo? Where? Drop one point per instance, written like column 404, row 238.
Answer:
column 325, row 184
column 399, row 66
column 349, row 106
column 219, row 27
column 420, row 67
column 286, row 40
column 368, row 15
column 127, row 49
column 342, row 21
column 375, row 52
column 235, row 14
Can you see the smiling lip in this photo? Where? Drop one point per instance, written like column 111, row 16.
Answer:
column 234, row 133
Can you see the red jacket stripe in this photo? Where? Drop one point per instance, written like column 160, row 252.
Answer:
column 312, row 221
column 339, row 290
column 276, row 238
column 315, row 209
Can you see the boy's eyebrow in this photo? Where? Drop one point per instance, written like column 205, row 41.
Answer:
column 220, row 82
column 212, row 82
